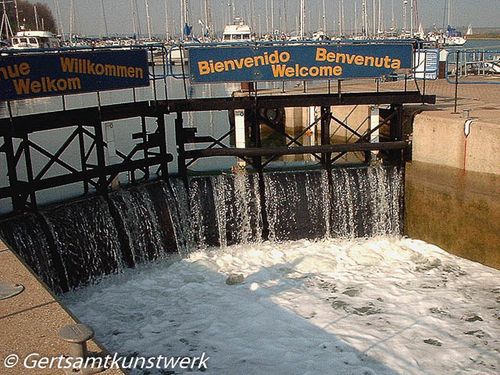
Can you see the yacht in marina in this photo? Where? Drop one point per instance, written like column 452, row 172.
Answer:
column 238, row 31
column 34, row 39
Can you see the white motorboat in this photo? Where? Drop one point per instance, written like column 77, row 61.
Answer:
column 34, row 39
column 237, row 32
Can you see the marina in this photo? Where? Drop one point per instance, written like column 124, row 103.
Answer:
column 251, row 187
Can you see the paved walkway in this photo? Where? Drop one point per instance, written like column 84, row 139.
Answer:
column 30, row 321
column 483, row 100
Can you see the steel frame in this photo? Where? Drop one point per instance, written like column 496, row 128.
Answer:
column 152, row 149
column 88, row 134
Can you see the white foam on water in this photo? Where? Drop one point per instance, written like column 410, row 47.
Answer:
column 384, row 305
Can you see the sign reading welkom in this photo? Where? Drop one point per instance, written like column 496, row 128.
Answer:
column 299, row 62
column 49, row 74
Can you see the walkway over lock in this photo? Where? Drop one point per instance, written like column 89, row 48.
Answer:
column 87, row 128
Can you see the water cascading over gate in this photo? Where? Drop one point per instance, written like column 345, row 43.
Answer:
column 76, row 243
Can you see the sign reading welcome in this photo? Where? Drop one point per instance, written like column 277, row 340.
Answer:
column 50, row 73
column 299, row 62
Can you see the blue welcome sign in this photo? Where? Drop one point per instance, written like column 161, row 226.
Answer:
column 51, row 73
column 296, row 62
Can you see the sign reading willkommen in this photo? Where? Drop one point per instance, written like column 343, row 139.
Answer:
column 299, row 62
column 51, row 73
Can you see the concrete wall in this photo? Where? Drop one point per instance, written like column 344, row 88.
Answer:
column 440, row 140
column 459, row 212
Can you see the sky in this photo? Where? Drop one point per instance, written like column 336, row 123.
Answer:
column 89, row 18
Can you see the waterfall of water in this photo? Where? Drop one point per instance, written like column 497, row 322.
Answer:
column 237, row 208
column 366, row 202
column 297, row 204
column 219, row 211
column 76, row 243
column 86, row 240
column 178, row 201
column 141, row 233
column 28, row 237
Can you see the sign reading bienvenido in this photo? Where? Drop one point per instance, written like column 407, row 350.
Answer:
column 299, row 62
column 51, row 73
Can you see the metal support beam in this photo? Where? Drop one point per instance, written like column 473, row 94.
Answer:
column 396, row 133
column 97, row 175
column 17, row 201
column 144, row 141
column 61, row 119
column 256, row 142
column 181, row 149
column 163, row 147
column 79, row 176
column 326, row 116
column 102, row 186
column 253, row 152
column 29, row 170
column 83, row 160
column 240, row 132
column 373, row 126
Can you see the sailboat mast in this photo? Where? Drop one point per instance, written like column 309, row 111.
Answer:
column 340, row 21
column 324, row 16
column 342, row 14
column 405, row 25
column 210, row 21
column 416, row 20
column 302, row 17
column 445, row 10
column 36, row 16
column 252, row 15
column 272, row 17
column 137, row 19
column 167, row 29
column 364, row 19
column 267, row 17
column 393, row 19
column 355, row 19
column 285, row 18
column 104, row 18
column 184, row 17
column 379, row 27
column 183, row 21
column 59, row 19
column 411, row 18
column 374, row 17
column 71, row 20
column 134, row 25
column 17, row 14
column 148, row 18
column 5, row 26
column 450, row 12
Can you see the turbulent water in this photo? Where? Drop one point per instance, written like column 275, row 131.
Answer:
column 360, row 306
column 329, row 286
column 75, row 244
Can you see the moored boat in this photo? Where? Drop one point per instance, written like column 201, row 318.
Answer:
column 238, row 31
column 34, row 39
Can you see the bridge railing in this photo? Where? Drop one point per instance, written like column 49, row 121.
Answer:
column 472, row 66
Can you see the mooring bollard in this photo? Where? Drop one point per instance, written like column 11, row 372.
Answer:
column 8, row 290
column 77, row 336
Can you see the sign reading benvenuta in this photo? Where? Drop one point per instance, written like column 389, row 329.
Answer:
column 48, row 74
column 300, row 62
